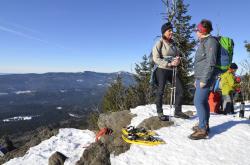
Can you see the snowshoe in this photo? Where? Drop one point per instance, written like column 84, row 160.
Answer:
column 137, row 131
column 143, row 140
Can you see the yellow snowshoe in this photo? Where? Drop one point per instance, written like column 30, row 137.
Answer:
column 138, row 131
column 143, row 140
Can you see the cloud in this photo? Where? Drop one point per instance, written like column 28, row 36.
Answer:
column 26, row 32
column 6, row 29
column 25, row 35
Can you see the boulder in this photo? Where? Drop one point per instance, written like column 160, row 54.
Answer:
column 116, row 121
column 57, row 159
column 153, row 123
column 96, row 154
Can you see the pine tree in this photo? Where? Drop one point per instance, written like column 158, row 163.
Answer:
column 114, row 99
column 142, row 77
column 245, row 85
column 177, row 14
column 247, row 45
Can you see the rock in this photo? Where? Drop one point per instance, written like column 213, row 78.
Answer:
column 8, row 144
column 153, row 123
column 57, row 159
column 116, row 121
column 96, row 154
column 28, row 140
column 190, row 113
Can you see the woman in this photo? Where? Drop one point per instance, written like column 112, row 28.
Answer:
column 166, row 56
column 204, row 73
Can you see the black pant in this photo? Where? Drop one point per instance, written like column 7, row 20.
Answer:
column 162, row 76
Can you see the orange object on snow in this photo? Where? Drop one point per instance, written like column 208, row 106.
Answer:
column 103, row 131
column 214, row 101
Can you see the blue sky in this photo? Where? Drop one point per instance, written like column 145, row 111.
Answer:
column 104, row 36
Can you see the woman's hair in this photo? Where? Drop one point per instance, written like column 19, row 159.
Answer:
column 207, row 25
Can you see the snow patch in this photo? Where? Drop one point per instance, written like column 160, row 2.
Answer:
column 23, row 92
column 1, row 94
column 74, row 115
column 19, row 118
column 63, row 91
column 80, row 80
column 70, row 142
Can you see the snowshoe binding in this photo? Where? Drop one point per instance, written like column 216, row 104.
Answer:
column 143, row 140
column 137, row 131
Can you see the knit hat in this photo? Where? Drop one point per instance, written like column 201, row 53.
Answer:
column 166, row 27
column 233, row 66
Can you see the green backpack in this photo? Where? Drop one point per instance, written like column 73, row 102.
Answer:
column 225, row 56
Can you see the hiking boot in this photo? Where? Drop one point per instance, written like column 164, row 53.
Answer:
column 181, row 115
column 163, row 117
column 222, row 112
column 196, row 127
column 199, row 134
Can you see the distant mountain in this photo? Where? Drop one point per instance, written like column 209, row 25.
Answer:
column 51, row 97
column 60, row 81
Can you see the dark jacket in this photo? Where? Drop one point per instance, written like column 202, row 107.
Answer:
column 206, row 59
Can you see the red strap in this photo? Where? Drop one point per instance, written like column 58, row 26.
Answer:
column 101, row 133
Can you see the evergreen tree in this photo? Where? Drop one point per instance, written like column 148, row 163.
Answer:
column 142, row 77
column 177, row 14
column 131, row 99
column 247, row 45
column 114, row 99
column 245, row 85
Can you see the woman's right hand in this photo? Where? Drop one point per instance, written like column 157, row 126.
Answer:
column 176, row 61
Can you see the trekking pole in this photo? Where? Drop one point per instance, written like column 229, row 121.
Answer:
column 173, row 89
column 174, row 84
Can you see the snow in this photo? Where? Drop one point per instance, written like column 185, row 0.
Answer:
column 80, row 80
column 63, row 91
column 70, row 142
column 228, row 142
column 18, row 118
column 3, row 93
column 23, row 92
column 74, row 115
column 58, row 108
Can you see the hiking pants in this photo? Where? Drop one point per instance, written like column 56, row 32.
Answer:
column 162, row 76
column 201, row 104
column 228, row 104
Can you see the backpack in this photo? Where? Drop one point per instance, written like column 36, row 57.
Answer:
column 153, row 81
column 225, row 56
